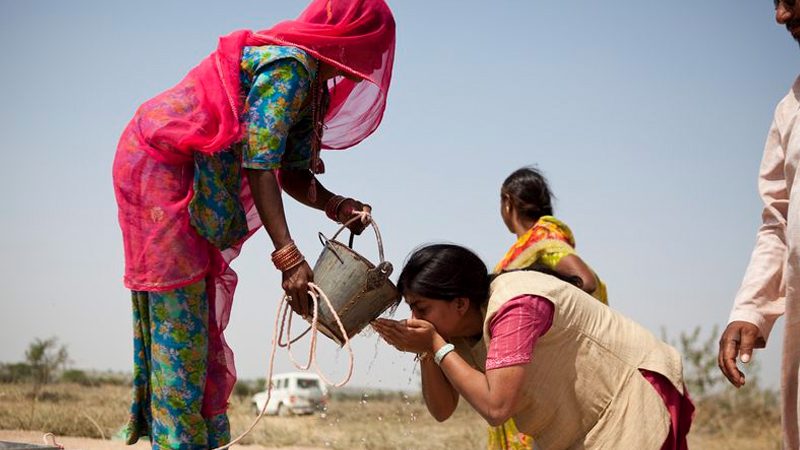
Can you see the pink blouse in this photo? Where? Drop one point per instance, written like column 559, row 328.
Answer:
column 521, row 321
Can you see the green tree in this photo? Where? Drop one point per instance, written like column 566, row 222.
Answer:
column 45, row 358
column 701, row 373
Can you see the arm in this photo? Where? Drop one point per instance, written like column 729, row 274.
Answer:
column 296, row 184
column 440, row 397
column 270, row 113
column 761, row 297
column 515, row 329
column 573, row 266
column 495, row 395
column 267, row 198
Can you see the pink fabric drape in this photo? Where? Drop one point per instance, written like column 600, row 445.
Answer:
column 153, row 166
column 357, row 37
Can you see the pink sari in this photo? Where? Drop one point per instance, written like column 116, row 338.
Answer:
column 153, row 166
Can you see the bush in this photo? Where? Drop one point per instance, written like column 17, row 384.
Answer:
column 78, row 377
column 244, row 389
column 15, row 372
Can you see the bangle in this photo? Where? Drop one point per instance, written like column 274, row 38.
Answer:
column 332, row 207
column 442, row 352
column 287, row 257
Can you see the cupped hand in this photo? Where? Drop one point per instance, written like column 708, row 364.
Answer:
column 410, row 335
column 738, row 340
column 295, row 285
column 351, row 207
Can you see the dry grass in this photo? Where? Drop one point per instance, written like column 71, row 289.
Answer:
column 64, row 409
column 392, row 422
column 744, row 419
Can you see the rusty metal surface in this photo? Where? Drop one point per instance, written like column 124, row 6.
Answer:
column 358, row 291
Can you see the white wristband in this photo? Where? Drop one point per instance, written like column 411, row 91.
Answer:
column 442, row 352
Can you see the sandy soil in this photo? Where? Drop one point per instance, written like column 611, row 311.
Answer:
column 79, row 443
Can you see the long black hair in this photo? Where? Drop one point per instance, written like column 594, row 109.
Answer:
column 529, row 192
column 449, row 271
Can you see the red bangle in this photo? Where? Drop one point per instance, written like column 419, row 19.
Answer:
column 332, row 207
column 287, row 257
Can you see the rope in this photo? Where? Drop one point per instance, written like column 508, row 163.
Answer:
column 283, row 322
column 53, row 438
column 96, row 425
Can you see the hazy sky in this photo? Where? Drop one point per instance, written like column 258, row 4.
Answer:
column 649, row 119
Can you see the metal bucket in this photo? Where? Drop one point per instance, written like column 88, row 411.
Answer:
column 358, row 290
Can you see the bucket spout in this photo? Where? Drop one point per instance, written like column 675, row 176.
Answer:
column 377, row 276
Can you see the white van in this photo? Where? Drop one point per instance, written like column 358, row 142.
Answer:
column 293, row 393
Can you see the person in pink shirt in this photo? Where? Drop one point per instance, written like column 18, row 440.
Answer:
column 532, row 346
column 772, row 279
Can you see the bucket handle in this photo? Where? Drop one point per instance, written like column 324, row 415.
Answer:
column 324, row 241
column 372, row 222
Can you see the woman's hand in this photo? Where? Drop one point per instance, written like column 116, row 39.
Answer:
column 348, row 209
column 410, row 335
column 295, row 284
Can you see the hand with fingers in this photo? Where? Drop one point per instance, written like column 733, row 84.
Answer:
column 351, row 207
column 738, row 340
column 295, row 285
column 343, row 209
column 410, row 335
column 296, row 276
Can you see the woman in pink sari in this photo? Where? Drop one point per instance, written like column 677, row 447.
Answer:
column 202, row 166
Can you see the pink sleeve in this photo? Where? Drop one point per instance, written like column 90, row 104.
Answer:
column 515, row 328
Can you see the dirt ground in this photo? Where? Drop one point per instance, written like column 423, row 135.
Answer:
column 78, row 443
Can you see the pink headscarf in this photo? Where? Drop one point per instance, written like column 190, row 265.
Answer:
column 355, row 36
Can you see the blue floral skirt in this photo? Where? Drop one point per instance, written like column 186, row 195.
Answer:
column 170, row 343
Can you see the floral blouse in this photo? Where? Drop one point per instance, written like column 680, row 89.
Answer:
column 276, row 82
